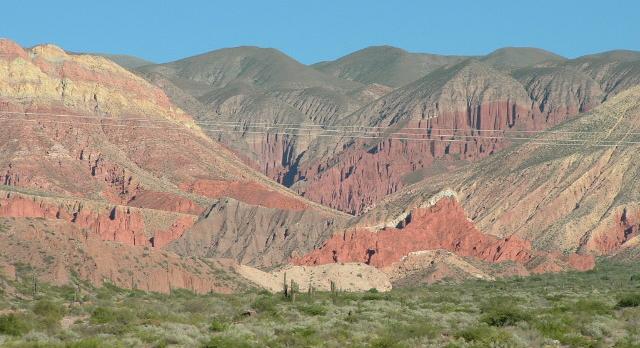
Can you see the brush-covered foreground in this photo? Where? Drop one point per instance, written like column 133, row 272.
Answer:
column 599, row 308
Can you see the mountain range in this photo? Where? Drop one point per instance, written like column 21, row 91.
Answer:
column 224, row 170
column 250, row 91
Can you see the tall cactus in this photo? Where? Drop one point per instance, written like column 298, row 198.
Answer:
column 285, row 286
column 35, row 284
column 294, row 289
column 334, row 292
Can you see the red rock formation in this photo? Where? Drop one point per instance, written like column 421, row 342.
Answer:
column 165, row 201
column 246, row 191
column 177, row 229
column 274, row 149
column 366, row 172
column 581, row 262
column 357, row 173
column 57, row 249
column 11, row 50
column 442, row 226
column 119, row 224
column 625, row 226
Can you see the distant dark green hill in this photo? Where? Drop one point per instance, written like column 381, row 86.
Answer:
column 520, row 57
column 385, row 65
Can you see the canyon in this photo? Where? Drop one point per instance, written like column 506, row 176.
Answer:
column 106, row 157
column 227, row 170
column 382, row 118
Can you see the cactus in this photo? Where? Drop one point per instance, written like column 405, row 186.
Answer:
column 285, row 286
column 294, row 289
column 334, row 292
column 35, row 285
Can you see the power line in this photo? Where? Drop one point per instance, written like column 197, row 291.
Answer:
column 274, row 125
column 556, row 142
column 345, row 133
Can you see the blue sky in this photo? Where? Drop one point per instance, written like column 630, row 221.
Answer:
column 312, row 31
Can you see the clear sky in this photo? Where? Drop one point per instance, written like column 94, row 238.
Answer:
column 316, row 30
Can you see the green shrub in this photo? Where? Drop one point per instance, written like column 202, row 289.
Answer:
column 386, row 342
column 373, row 296
column 394, row 334
column 589, row 307
column 103, row 315
column 219, row 325
column 564, row 328
column 50, row 313
column 46, row 308
column 227, row 342
column 629, row 300
column 266, row 304
column 13, row 325
column 486, row 336
column 502, row 311
column 504, row 317
column 86, row 343
column 312, row 309
column 297, row 337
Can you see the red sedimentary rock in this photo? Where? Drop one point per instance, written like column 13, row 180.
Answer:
column 247, row 191
column 11, row 50
column 362, row 175
column 581, row 262
column 442, row 226
column 165, row 201
column 164, row 237
column 625, row 226
column 119, row 224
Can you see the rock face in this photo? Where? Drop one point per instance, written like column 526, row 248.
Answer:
column 236, row 93
column 443, row 113
column 102, row 175
column 109, row 223
column 579, row 196
column 441, row 226
column 88, row 145
column 315, row 131
column 56, row 248
column 247, row 191
column 432, row 266
column 256, row 235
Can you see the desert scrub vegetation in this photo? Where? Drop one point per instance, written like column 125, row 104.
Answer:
column 599, row 308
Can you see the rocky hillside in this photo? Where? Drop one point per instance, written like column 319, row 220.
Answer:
column 346, row 133
column 409, row 244
column 235, row 92
column 385, row 65
column 453, row 116
column 88, row 145
column 571, row 188
column 112, row 168
column 520, row 57
column 550, row 204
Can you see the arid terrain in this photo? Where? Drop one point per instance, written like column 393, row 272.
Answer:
column 383, row 179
